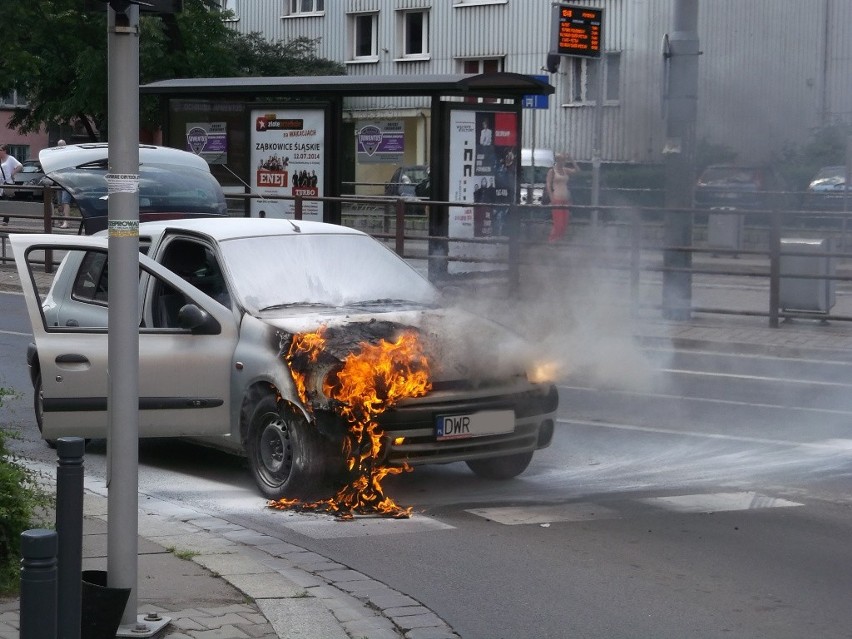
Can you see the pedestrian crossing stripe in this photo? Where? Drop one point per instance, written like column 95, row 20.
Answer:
column 718, row 502
column 588, row 511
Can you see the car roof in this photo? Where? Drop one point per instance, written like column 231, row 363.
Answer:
column 62, row 157
column 228, row 228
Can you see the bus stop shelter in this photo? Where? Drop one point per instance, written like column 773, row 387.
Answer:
column 287, row 136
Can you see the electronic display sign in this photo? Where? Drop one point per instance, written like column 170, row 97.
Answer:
column 577, row 31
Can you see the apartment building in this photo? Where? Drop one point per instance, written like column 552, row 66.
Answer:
column 770, row 70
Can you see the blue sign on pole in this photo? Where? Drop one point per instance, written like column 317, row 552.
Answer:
column 536, row 101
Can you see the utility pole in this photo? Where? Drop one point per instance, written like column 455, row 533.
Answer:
column 123, row 320
column 681, row 60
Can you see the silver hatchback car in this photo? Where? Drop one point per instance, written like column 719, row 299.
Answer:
column 224, row 305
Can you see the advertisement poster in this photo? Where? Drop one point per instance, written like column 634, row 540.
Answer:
column 287, row 158
column 482, row 169
column 380, row 141
column 209, row 140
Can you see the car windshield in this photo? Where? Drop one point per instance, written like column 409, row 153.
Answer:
column 830, row 175
column 414, row 173
column 324, row 269
column 729, row 175
column 162, row 189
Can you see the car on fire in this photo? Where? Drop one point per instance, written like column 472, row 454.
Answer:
column 172, row 184
column 223, row 301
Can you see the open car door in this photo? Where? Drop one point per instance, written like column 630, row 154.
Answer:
column 184, row 365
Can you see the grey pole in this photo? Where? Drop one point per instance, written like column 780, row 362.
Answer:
column 38, row 584
column 680, row 159
column 69, row 527
column 123, row 331
column 598, row 141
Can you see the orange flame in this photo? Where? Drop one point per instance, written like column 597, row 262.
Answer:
column 371, row 380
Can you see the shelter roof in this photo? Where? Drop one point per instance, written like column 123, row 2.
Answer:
column 486, row 84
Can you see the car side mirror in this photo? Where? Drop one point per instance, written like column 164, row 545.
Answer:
column 197, row 320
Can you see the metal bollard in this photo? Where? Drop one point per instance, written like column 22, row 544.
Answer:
column 69, row 526
column 38, row 584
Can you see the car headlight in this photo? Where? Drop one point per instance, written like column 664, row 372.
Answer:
column 542, row 372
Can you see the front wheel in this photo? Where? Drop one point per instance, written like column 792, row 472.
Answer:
column 505, row 467
column 288, row 457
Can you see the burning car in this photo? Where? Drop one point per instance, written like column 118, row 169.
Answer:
column 310, row 348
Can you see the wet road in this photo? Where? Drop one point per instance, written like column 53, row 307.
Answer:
column 703, row 495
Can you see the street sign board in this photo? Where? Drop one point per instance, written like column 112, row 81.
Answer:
column 577, row 31
column 536, row 101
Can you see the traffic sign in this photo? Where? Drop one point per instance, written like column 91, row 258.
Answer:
column 535, row 101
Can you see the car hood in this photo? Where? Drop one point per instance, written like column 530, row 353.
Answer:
column 458, row 344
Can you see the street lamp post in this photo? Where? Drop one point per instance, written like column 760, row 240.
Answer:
column 681, row 115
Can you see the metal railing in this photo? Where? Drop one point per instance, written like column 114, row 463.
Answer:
column 628, row 241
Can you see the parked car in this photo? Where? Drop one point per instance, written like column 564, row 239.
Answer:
column 827, row 190
column 405, row 179
column 173, row 184
column 756, row 190
column 30, row 174
column 223, row 301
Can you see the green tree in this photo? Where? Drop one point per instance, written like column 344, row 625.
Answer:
column 59, row 60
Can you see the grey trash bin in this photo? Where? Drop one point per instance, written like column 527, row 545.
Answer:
column 813, row 295
column 725, row 230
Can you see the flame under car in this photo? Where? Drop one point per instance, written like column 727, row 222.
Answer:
column 221, row 301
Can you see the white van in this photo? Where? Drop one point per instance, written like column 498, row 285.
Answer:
column 534, row 167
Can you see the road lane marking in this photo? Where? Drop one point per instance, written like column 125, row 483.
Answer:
column 837, row 445
column 757, row 378
column 709, row 400
column 16, row 333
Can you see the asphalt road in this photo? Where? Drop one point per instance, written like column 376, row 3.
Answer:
column 707, row 496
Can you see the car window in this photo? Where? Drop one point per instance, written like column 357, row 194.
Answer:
column 91, row 282
column 196, row 263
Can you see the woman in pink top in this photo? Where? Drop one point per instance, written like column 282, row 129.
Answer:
column 557, row 187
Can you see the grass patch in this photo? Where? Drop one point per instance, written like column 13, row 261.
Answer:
column 183, row 554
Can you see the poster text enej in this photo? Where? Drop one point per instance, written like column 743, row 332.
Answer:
column 287, row 158
column 482, row 170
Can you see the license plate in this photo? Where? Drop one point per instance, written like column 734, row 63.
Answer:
column 486, row 422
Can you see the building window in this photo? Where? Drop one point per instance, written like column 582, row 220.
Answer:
column 414, row 33
column 582, row 84
column 20, row 152
column 230, row 7
column 306, row 7
column 364, row 33
column 485, row 65
column 12, row 100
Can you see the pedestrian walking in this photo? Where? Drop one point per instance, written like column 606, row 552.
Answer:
column 64, row 199
column 560, row 194
column 9, row 166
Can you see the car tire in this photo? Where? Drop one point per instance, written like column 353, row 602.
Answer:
column 38, row 408
column 288, row 457
column 505, row 467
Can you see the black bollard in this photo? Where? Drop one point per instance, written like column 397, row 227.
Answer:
column 69, row 526
column 38, row 584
